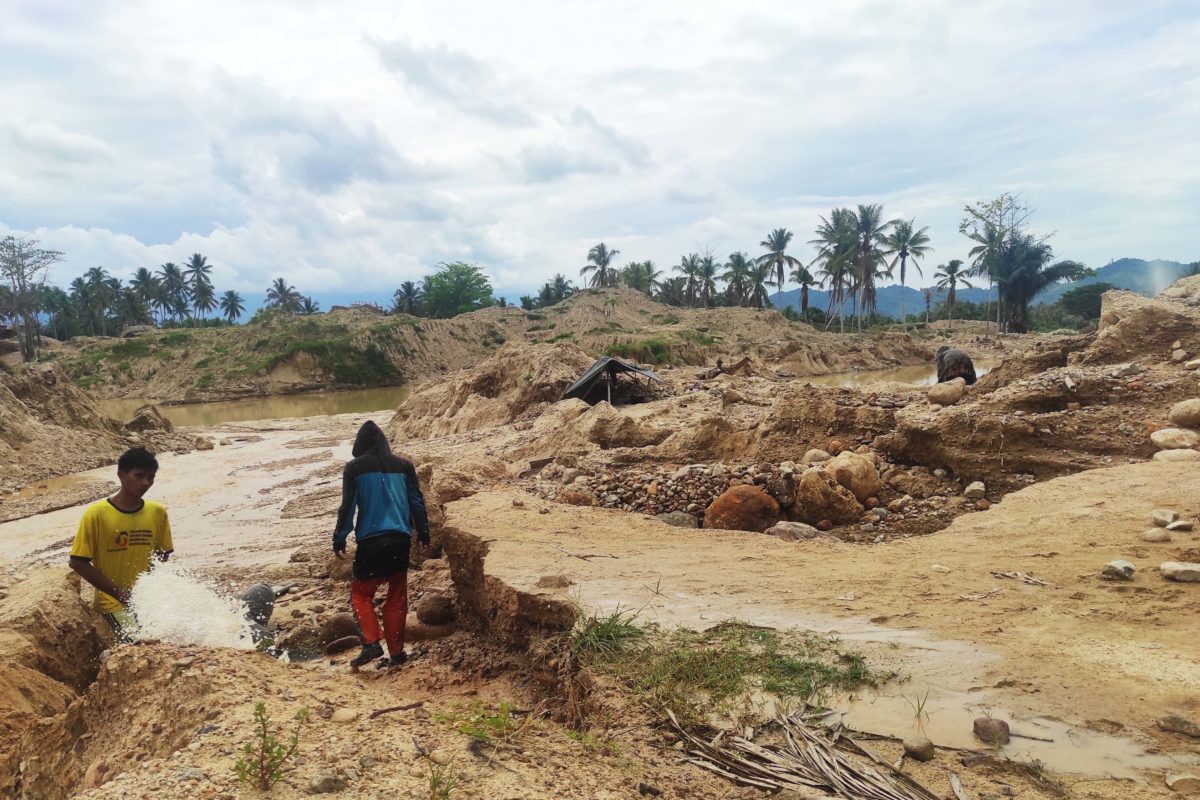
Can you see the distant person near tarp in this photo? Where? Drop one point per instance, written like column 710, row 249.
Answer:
column 953, row 364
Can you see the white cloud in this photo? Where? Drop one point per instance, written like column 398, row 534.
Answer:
column 353, row 147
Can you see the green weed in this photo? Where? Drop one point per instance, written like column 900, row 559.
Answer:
column 264, row 760
column 606, row 635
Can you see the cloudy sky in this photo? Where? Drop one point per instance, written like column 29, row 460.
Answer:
column 351, row 146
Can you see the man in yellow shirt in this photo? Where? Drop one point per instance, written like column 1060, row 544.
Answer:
column 117, row 537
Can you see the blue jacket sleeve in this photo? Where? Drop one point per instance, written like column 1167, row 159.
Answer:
column 345, row 518
column 416, row 505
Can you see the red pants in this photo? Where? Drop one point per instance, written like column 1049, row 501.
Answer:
column 395, row 609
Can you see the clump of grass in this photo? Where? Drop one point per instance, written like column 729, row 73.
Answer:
column 693, row 673
column 917, row 702
column 648, row 351
column 595, row 744
column 488, row 725
column 443, row 781
column 606, row 635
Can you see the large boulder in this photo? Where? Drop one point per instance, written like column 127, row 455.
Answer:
column 1186, row 413
column 857, row 473
column 1177, row 455
column 742, row 508
column 148, row 418
column 338, row 626
column 435, row 609
column 1175, row 439
column 948, row 393
column 820, row 497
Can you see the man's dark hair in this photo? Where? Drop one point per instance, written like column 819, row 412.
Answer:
column 137, row 458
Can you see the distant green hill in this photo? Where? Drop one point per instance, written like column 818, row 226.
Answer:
column 1144, row 277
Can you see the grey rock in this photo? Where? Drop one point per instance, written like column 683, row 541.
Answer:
column 919, row 748
column 975, row 491
column 1180, row 571
column 677, row 519
column 1177, row 455
column 1162, row 517
column 1181, row 525
column 815, row 456
column 327, row 785
column 794, row 531
column 193, row 774
column 1177, row 723
column 1118, row 571
column 1156, row 536
column 1174, row 439
column 553, row 582
column 1186, row 413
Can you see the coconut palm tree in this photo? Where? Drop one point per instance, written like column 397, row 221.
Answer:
column 283, row 296
column 905, row 242
column 836, row 241
column 306, row 306
column 756, row 282
column 737, row 278
column 641, row 275
column 689, row 267
column 706, row 274
column 949, row 276
column 146, row 284
column 871, row 232
column 1023, row 271
column 204, row 298
column 176, row 298
column 407, row 299
column 928, row 293
column 989, row 239
column 802, row 276
column 673, row 292
column 599, row 263
column 776, row 244
column 196, row 269
column 232, row 306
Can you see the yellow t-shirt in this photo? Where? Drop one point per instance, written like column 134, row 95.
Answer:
column 120, row 544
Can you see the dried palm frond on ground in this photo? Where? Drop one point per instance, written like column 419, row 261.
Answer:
column 807, row 760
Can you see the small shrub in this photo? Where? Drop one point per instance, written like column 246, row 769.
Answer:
column 204, row 381
column 649, row 351
column 443, row 781
column 202, row 363
column 264, row 760
column 606, row 635
column 174, row 339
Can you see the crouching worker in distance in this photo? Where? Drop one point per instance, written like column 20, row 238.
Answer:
column 953, row 364
column 117, row 537
column 383, row 488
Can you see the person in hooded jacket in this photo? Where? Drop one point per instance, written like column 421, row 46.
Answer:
column 383, row 488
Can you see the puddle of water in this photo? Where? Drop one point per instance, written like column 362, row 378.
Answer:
column 313, row 404
column 920, row 375
column 947, row 722
column 48, row 485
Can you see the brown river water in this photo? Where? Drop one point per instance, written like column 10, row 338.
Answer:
column 312, row 404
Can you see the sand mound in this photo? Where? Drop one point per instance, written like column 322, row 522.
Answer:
column 49, row 426
column 516, row 382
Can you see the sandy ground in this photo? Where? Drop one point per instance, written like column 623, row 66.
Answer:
column 1087, row 663
column 1080, row 654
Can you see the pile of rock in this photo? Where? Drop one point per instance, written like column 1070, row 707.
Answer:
column 1179, row 442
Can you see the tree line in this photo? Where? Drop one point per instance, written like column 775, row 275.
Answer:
column 856, row 250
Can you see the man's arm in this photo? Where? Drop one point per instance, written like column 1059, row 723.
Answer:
column 416, row 504
column 87, row 570
column 345, row 518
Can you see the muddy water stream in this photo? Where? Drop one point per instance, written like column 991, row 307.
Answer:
column 313, row 404
column 920, row 375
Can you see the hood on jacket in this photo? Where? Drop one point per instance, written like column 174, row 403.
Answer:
column 370, row 439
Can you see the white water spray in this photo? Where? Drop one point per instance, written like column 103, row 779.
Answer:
column 174, row 606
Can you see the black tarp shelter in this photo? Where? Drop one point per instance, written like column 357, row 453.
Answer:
column 605, row 370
